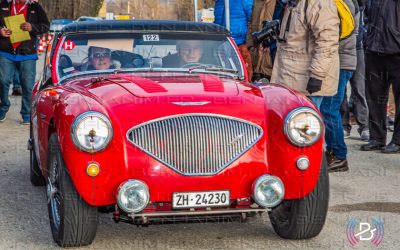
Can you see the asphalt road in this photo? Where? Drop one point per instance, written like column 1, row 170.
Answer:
column 370, row 189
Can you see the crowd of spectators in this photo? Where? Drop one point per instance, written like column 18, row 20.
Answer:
column 310, row 56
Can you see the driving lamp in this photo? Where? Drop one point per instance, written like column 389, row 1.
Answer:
column 268, row 191
column 303, row 127
column 91, row 131
column 133, row 196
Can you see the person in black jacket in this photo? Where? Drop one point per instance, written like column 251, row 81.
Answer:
column 382, row 44
column 20, row 56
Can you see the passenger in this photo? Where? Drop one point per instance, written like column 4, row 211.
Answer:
column 189, row 51
column 99, row 58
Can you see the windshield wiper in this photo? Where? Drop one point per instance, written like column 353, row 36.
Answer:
column 220, row 69
column 210, row 67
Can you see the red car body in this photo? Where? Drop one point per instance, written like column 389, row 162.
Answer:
column 129, row 100
column 266, row 106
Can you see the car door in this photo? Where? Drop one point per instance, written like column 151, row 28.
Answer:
column 42, row 110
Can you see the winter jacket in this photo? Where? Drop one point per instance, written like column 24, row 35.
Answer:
column 262, row 10
column 36, row 16
column 347, row 46
column 240, row 15
column 311, row 48
column 383, row 35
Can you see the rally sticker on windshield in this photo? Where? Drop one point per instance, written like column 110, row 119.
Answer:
column 151, row 38
column 68, row 45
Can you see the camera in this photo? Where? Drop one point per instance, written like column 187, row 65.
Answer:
column 268, row 34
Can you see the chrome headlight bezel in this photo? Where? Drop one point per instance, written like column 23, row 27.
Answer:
column 292, row 114
column 78, row 120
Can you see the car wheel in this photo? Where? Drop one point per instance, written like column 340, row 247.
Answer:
column 73, row 222
column 34, row 169
column 303, row 218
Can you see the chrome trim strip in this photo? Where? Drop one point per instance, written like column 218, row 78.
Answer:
column 190, row 103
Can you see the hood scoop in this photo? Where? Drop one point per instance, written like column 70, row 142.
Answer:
column 181, row 85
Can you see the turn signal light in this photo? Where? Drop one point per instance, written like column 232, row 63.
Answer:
column 93, row 169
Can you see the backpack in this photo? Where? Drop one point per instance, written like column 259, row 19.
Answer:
column 347, row 23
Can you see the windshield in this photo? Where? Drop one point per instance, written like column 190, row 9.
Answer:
column 144, row 52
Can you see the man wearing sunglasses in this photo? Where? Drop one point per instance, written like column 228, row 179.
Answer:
column 99, row 58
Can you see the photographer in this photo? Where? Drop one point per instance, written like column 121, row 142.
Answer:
column 262, row 59
column 307, row 58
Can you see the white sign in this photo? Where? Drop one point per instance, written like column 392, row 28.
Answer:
column 207, row 15
column 109, row 16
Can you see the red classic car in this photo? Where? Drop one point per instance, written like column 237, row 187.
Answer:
column 156, row 122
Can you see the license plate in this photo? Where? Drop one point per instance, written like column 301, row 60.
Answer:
column 200, row 199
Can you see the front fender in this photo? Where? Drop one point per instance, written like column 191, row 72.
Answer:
column 282, row 155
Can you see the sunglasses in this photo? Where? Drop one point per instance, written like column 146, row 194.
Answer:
column 101, row 55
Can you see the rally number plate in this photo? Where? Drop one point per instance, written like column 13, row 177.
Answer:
column 200, row 199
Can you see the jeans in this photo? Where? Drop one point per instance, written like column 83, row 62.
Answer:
column 357, row 98
column 16, row 81
column 27, row 72
column 317, row 100
column 330, row 109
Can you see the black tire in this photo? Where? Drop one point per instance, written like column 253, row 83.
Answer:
column 303, row 218
column 34, row 169
column 73, row 222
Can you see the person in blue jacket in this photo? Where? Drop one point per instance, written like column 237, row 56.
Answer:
column 240, row 17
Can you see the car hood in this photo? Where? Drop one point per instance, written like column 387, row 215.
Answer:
column 152, row 96
column 162, row 86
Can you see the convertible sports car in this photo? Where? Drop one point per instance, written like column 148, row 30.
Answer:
column 155, row 122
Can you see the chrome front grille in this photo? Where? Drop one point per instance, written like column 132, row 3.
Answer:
column 195, row 144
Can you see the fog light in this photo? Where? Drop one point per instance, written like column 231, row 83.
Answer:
column 303, row 163
column 133, row 196
column 268, row 191
column 93, row 169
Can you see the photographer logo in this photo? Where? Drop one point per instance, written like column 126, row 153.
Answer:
column 363, row 231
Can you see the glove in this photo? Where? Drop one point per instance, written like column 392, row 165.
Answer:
column 313, row 85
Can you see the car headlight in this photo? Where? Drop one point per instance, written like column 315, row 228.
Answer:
column 91, row 131
column 303, row 126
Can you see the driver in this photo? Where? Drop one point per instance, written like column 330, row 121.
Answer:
column 189, row 51
column 99, row 58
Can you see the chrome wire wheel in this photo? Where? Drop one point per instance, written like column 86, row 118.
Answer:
column 53, row 190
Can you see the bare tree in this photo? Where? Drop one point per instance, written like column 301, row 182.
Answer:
column 140, row 9
column 72, row 9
